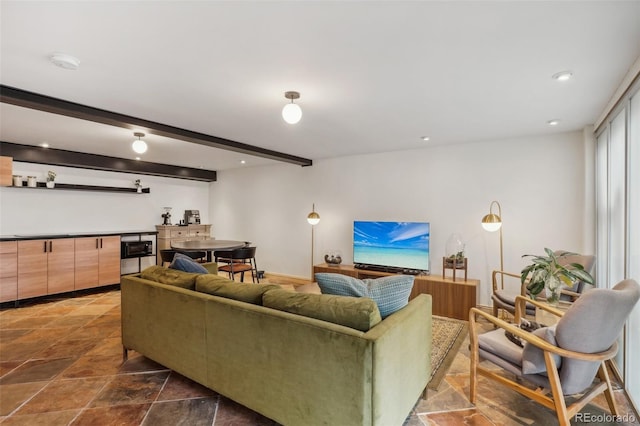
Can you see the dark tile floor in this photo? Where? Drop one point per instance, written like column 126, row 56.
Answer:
column 61, row 363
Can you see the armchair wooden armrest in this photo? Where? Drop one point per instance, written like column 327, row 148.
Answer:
column 502, row 274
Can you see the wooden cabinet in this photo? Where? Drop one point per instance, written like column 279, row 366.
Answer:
column 8, row 271
column 6, row 169
column 171, row 233
column 97, row 261
column 450, row 298
column 45, row 267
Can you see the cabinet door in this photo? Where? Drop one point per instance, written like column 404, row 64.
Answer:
column 61, row 265
column 87, row 255
column 32, row 268
column 8, row 271
column 109, row 270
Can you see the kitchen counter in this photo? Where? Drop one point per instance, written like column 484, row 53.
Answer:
column 45, row 236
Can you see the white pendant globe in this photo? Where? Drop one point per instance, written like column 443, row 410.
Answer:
column 139, row 146
column 291, row 113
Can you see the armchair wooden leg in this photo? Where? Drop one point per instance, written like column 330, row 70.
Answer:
column 603, row 374
column 556, row 390
column 473, row 356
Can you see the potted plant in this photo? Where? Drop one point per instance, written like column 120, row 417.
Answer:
column 546, row 273
column 51, row 177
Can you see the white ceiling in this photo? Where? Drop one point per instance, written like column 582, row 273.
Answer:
column 373, row 76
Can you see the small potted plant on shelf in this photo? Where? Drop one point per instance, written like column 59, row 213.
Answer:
column 51, row 177
column 546, row 273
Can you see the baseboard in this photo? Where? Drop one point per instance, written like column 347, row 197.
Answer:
column 287, row 279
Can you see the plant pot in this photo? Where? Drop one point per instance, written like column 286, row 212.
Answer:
column 51, row 184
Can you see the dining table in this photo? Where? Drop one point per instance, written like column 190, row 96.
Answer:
column 208, row 245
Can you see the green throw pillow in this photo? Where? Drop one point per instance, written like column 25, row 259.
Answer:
column 220, row 286
column 390, row 293
column 163, row 275
column 359, row 313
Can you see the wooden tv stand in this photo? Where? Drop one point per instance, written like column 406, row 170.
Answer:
column 450, row 298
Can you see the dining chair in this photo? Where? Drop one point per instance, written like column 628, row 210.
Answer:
column 561, row 360
column 167, row 255
column 238, row 261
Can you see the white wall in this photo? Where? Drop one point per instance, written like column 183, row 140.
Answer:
column 539, row 181
column 29, row 211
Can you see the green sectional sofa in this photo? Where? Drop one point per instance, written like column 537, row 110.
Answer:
column 282, row 361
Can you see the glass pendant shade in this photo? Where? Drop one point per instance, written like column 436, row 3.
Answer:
column 291, row 113
column 139, row 146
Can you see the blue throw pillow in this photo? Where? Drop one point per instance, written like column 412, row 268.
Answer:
column 184, row 263
column 390, row 293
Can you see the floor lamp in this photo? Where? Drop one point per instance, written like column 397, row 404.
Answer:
column 493, row 222
column 313, row 218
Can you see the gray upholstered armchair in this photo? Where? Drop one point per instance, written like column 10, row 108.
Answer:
column 560, row 360
column 504, row 296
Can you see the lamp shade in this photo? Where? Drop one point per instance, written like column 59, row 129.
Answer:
column 491, row 222
column 313, row 218
column 291, row 113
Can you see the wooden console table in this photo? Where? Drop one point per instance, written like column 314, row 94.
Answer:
column 450, row 298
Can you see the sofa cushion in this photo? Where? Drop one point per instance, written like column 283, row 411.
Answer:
column 360, row 313
column 390, row 293
column 163, row 275
column 220, row 286
column 184, row 263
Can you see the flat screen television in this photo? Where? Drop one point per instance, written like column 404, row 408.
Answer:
column 392, row 246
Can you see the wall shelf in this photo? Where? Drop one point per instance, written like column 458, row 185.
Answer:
column 74, row 187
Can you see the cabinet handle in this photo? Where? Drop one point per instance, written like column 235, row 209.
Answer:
column 50, row 246
column 100, row 242
column 45, row 247
column 97, row 244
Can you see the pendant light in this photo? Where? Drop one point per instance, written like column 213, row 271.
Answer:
column 139, row 145
column 291, row 112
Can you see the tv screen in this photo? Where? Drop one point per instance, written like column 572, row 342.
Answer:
column 400, row 245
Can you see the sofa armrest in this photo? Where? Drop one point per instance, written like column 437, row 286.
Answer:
column 401, row 360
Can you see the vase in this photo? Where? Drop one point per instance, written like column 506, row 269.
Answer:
column 552, row 291
column 51, row 184
column 139, row 190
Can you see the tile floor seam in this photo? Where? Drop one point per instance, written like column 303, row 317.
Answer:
column 26, row 401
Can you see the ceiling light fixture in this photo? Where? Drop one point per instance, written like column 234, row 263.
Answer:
column 424, row 138
column 65, row 61
column 139, row 145
column 553, row 122
column 562, row 75
column 44, row 145
column 291, row 112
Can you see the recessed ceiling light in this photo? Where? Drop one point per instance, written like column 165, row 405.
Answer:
column 65, row 61
column 424, row 138
column 553, row 122
column 243, row 162
column 138, row 158
column 562, row 75
column 44, row 145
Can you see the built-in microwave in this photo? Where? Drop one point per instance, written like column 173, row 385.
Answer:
column 136, row 249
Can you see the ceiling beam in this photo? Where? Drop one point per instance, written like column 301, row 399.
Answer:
column 23, row 98
column 61, row 157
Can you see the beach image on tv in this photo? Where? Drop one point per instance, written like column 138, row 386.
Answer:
column 398, row 244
